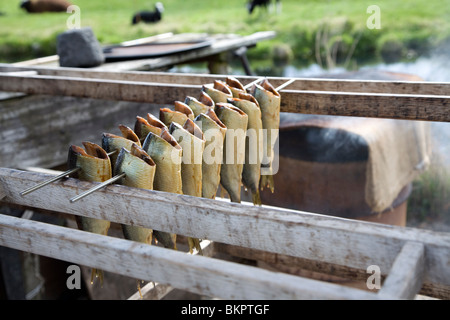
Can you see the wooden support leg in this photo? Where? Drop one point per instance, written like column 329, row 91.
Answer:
column 218, row 64
column 241, row 54
column 406, row 276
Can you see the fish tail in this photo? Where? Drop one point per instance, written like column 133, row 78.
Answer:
column 139, row 288
column 96, row 273
column 194, row 243
column 256, row 198
column 267, row 182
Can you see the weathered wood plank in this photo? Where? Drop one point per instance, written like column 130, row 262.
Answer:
column 406, row 276
column 369, row 105
column 152, row 291
column 156, row 291
column 161, row 93
column 394, row 106
column 333, row 240
column 292, row 262
column 196, row 274
column 303, row 84
column 38, row 130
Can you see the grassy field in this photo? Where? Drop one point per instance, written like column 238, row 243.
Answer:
column 308, row 30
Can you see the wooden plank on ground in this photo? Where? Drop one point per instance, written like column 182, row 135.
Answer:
column 406, row 276
column 351, row 243
column 202, row 275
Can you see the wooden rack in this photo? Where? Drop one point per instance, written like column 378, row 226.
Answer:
column 412, row 261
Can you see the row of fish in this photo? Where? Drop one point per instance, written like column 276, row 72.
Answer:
column 191, row 150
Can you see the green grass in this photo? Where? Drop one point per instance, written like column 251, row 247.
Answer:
column 430, row 199
column 415, row 25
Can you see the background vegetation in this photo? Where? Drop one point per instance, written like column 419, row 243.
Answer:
column 308, row 31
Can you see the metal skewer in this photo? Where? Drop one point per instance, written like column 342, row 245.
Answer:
column 58, row 177
column 43, row 184
column 285, row 84
column 248, row 85
column 102, row 185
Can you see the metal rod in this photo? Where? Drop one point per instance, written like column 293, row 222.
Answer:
column 252, row 83
column 43, row 184
column 284, row 85
column 58, row 177
column 102, row 185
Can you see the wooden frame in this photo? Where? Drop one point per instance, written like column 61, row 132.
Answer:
column 411, row 260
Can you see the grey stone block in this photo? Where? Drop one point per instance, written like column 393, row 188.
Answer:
column 79, row 48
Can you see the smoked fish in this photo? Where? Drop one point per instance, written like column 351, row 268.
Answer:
column 253, row 144
column 95, row 166
column 269, row 101
column 234, row 148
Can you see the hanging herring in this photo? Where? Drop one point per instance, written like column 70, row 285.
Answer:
column 167, row 155
column 139, row 171
column 269, row 101
column 95, row 166
column 235, row 86
column 201, row 105
column 190, row 138
column 214, row 132
column 234, row 148
column 253, row 144
column 143, row 126
column 218, row 91
column 112, row 142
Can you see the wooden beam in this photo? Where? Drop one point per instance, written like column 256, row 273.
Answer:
column 406, row 276
column 369, row 105
column 289, row 232
column 196, row 274
column 156, row 291
column 98, row 88
column 152, row 291
column 302, row 84
column 377, row 105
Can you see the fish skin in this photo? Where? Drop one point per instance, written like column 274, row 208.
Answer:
column 235, row 86
column 95, row 166
column 218, row 91
column 214, row 131
column 167, row 116
column 269, row 101
column 184, row 108
column 112, row 142
column 231, row 171
column 197, row 106
column 154, row 121
column 190, row 138
column 139, row 171
column 191, row 165
column 143, row 126
column 252, row 166
column 206, row 99
column 167, row 155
